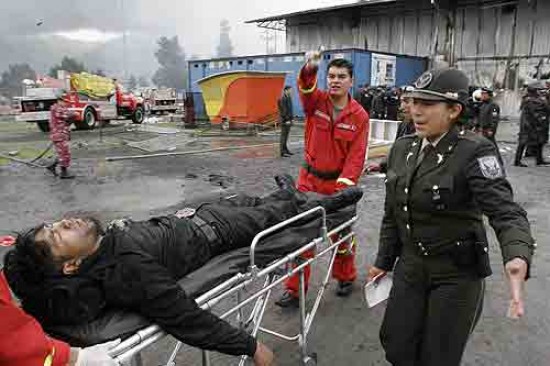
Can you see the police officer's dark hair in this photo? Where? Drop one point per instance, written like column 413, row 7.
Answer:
column 341, row 63
column 288, row 87
column 28, row 263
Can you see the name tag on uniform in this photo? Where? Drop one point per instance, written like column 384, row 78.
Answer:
column 345, row 126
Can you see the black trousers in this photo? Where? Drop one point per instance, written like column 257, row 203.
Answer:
column 432, row 310
column 285, row 131
column 537, row 152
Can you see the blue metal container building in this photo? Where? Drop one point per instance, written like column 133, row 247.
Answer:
column 401, row 69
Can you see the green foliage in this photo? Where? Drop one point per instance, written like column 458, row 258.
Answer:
column 68, row 64
column 11, row 80
column 132, row 83
column 171, row 58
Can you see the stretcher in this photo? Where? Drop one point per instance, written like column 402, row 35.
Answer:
column 273, row 256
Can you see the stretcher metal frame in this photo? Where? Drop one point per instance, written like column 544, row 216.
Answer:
column 128, row 351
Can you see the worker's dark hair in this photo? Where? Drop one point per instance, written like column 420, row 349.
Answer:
column 288, row 87
column 341, row 63
column 28, row 263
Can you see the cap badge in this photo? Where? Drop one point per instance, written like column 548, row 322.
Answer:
column 424, row 80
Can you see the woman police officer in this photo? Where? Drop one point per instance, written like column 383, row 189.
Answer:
column 439, row 184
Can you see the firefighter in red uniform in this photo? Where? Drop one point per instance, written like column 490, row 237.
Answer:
column 336, row 136
column 60, row 134
column 24, row 343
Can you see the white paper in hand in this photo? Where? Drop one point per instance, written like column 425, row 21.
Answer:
column 378, row 290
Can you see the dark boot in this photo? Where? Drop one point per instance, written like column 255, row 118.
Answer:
column 52, row 167
column 344, row 198
column 288, row 301
column 65, row 174
column 345, row 288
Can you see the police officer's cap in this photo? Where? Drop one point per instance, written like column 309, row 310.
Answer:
column 445, row 85
column 407, row 90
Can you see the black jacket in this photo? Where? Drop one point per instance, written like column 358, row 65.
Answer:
column 405, row 128
column 136, row 269
column 437, row 206
column 533, row 126
column 285, row 108
column 488, row 117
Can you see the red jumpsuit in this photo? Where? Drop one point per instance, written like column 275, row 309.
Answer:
column 60, row 133
column 334, row 158
column 22, row 340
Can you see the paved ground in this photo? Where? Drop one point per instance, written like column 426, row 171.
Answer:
column 345, row 331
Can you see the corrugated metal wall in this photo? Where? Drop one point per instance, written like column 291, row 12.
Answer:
column 484, row 43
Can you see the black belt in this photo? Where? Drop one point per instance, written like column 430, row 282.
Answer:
column 325, row 175
column 206, row 229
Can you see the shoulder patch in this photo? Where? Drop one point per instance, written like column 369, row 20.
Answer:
column 490, row 167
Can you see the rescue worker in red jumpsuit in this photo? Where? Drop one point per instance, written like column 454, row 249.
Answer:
column 336, row 138
column 60, row 134
column 24, row 343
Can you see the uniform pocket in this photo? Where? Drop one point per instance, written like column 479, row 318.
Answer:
column 343, row 134
column 440, row 193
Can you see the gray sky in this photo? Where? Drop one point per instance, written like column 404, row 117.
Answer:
column 196, row 22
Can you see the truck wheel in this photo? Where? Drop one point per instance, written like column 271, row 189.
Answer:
column 138, row 115
column 89, row 121
column 44, row 126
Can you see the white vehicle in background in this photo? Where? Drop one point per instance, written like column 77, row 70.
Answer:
column 161, row 100
column 35, row 106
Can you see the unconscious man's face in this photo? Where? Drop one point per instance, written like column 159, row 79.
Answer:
column 70, row 241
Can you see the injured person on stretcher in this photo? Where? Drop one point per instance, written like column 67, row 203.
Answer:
column 70, row 271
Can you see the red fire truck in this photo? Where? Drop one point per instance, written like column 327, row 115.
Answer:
column 92, row 99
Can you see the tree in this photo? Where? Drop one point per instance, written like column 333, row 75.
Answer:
column 11, row 80
column 132, row 82
column 225, row 48
column 68, row 64
column 171, row 58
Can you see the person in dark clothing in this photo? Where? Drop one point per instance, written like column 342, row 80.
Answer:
column 468, row 118
column 392, row 104
column 379, row 104
column 440, row 183
column 285, row 117
column 488, row 118
column 68, row 272
column 364, row 96
column 406, row 126
column 533, row 128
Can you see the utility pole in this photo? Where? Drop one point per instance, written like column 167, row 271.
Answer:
column 124, row 60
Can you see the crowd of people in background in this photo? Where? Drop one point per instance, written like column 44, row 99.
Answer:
column 481, row 115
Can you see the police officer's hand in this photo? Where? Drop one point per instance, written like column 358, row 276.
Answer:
column 516, row 271
column 263, row 355
column 375, row 272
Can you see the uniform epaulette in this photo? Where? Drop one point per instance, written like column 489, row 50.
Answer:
column 471, row 136
column 406, row 137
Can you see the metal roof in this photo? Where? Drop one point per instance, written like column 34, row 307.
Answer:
column 278, row 22
column 319, row 10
